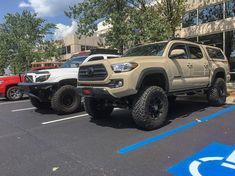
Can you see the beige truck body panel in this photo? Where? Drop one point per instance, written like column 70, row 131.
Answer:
column 182, row 74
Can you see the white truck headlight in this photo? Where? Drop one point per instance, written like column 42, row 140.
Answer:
column 1, row 81
column 124, row 67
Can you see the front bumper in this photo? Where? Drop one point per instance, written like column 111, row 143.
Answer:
column 40, row 91
column 94, row 92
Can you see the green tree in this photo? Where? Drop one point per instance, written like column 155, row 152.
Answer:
column 21, row 39
column 171, row 12
column 132, row 21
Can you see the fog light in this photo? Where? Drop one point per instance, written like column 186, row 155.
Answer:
column 116, row 83
column 119, row 84
column 87, row 91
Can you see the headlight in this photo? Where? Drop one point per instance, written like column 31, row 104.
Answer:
column 1, row 81
column 124, row 67
column 43, row 76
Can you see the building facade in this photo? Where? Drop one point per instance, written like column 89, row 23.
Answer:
column 211, row 22
column 72, row 44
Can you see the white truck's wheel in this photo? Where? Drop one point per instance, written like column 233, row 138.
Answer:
column 66, row 100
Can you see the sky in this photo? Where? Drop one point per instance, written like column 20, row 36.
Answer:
column 51, row 10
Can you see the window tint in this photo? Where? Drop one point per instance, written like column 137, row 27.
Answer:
column 180, row 47
column 156, row 49
column 215, row 53
column 195, row 52
column 73, row 62
column 111, row 57
column 230, row 8
column 190, row 18
column 211, row 13
column 96, row 58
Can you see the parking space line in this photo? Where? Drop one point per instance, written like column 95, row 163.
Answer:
column 64, row 119
column 14, row 102
column 173, row 131
column 25, row 109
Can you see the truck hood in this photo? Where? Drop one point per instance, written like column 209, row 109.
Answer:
column 136, row 59
column 59, row 70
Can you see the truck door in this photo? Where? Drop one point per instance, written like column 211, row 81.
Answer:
column 199, row 68
column 180, row 67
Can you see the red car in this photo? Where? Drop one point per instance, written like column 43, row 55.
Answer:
column 9, row 85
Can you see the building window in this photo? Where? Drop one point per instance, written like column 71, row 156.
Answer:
column 213, row 40
column 84, row 48
column 190, row 18
column 65, row 50
column 68, row 49
column 230, row 50
column 62, row 50
column 210, row 13
column 230, row 9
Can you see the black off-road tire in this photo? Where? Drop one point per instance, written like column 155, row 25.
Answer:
column 217, row 93
column 97, row 108
column 40, row 105
column 150, row 109
column 66, row 100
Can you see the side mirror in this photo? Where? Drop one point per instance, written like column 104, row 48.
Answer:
column 77, row 64
column 177, row 53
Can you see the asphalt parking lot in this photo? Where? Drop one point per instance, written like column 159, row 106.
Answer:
column 41, row 143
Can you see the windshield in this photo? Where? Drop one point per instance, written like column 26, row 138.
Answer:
column 74, row 62
column 156, row 49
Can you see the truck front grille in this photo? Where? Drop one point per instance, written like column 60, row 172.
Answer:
column 92, row 73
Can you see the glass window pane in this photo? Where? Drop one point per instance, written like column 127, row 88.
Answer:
column 190, row 19
column 195, row 52
column 213, row 40
column 230, row 8
column 211, row 13
column 230, row 51
column 215, row 53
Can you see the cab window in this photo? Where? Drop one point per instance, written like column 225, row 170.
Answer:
column 195, row 52
column 215, row 53
column 178, row 51
column 96, row 58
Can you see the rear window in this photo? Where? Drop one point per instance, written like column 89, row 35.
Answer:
column 195, row 52
column 215, row 53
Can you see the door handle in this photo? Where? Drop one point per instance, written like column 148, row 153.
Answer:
column 189, row 65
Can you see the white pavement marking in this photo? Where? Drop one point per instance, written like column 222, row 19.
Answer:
column 25, row 109
column 64, row 119
column 14, row 102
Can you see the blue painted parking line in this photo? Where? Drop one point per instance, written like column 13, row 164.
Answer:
column 173, row 131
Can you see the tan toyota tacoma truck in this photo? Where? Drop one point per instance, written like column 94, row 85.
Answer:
column 148, row 77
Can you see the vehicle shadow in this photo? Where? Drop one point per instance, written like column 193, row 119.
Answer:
column 121, row 119
column 6, row 100
column 51, row 111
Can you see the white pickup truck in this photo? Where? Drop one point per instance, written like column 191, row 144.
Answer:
column 55, row 88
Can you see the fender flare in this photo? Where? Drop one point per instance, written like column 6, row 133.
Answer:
column 217, row 70
column 70, row 81
column 153, row 70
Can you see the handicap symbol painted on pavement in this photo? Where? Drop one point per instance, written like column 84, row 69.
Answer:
column 214, row 160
